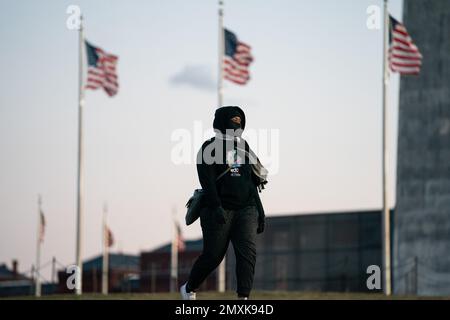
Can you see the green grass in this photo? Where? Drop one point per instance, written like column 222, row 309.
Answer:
column 256, row 295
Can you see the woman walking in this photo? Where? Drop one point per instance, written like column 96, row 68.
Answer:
column 231, row 175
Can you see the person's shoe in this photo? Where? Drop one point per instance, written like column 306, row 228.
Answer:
column 242, row 298
column 187, row 295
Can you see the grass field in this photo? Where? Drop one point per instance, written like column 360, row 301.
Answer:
column 256, row 295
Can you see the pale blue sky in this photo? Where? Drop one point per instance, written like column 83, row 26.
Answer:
column 316, row 78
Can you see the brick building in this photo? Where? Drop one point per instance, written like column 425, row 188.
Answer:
column 155, row 267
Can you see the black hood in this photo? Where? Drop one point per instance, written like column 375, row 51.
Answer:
column 223, row 116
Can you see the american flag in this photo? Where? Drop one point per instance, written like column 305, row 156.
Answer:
column 101, row 70
column 404, row 56
column 41, row 226
column 109, row 238
column 179, row 238
column 236, row 60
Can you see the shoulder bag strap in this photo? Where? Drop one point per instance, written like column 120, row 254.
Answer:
column 223, row 173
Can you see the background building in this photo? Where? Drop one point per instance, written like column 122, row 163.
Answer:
column 422, row 223
column 123, row 268
column 311, row 252
column 7, row 274
column 155, row 267
column 316, row 252
column 13, row 283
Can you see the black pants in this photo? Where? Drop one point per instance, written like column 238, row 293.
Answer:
column 240, row 227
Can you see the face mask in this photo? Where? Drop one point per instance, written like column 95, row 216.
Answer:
column 233, row 125
column 235, row 128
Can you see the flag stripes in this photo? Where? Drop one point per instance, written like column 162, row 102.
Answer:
column 236, row 60
column 41, row 226
column 109, row 238
column 179, row 238
column 102, row 70
column 404, row 56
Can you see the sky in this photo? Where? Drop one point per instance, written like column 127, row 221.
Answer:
column 316, row 81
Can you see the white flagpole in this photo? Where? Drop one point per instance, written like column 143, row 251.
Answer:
column 105, row 264
column 38, row 250
column 174, row 255
column 221, row 270
column 221, row 49
column 53, row 270
column 386, row 238
column 33, row 275
column 79, row 243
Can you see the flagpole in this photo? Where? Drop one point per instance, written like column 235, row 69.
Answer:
column 38, row 250
column 386, row 237
column 221, row 270
column 53, row 270
column 221, row 53
column 174, row 255
column 79, row 275
column 105, row 264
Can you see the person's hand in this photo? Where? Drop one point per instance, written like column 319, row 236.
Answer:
column 219, row 215
column 261, row 226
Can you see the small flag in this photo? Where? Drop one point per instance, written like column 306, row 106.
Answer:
column 101, row 70
column 237, row 59
column 179, row 238
column 109, row 238
column 41, row 226
column 404, row 56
